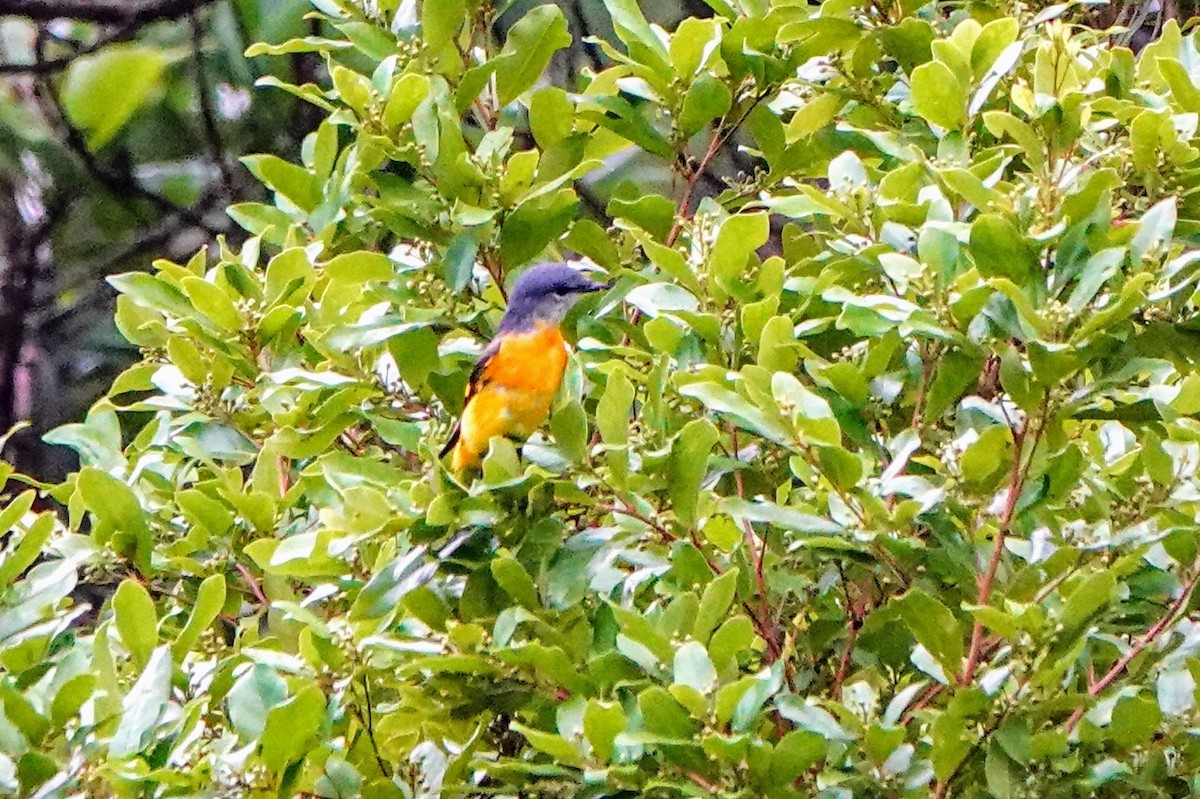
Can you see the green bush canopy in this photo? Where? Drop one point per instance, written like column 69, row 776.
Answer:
column 873, row 475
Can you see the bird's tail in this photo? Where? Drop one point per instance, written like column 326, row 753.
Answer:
column 463, row 457
column 452, row 441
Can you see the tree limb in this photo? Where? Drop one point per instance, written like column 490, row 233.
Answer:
column 50, row 65
column 122, row 186
column 107, row 12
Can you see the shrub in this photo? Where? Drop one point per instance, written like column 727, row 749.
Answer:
column 874, row 474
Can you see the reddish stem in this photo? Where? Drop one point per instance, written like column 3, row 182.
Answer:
column 988, row 578
column 1144, row 640
column 252, row 581
column 844, row 666
column 681, row 212
column 663, row 532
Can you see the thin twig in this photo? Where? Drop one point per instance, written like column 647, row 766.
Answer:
column 663, row 532
column 852, row 625
column 757, row 554
column 927, row 367
column 212, row 134
column 987, row 579
column 370, row 725
column 252, row 581
column 121, row 186
column 703, row 783
column 1144, row 640
column 720, row 136
column 681, row 212
column 50, row 65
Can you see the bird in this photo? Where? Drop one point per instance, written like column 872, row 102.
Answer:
column 516, row 377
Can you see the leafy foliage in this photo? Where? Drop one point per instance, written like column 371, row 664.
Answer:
column 874, row 475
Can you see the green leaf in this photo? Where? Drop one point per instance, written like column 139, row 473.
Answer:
column 441, row 21
column 210, row 598
column 22, row 715
column 694, row 669
column 631, row 28
column 1000, row 250
column 1089, row 598
column 292, row 728
column 707, row 99
column 720, row 399
column 143, row 706
column 288, row 180
column 570, row 429
column 814, row 116
column 511, row 576
column 71, row 697
column 991, row 42
column 998, row 770
column 1183, row 89
column 987, row 456
column 213, row 302
column 934, row 626
column 136, row 620
column 257, row 690
column 740, row 235
column 1135, row 721
column 807, row 715
column 690, row 45
column 29, row 544
column 1002, row 123
column 654, row 299
column 1156, row 228
column 612, row 412
column 761, row 511
column 459, row 262
column 714, row 605
column 602, row 723
column 559, row 748
column 116, row 506
column 663, row 715
column 531, row 42
column 102, row 91
column 908, row 42
column 938, row 95
column 153, row 293
column 689, row 464
column 360, row 267
column 795, row 754
column 551, row 116
column 110, row 499
column 355, row 90
column 409, row 91
column 624, row 119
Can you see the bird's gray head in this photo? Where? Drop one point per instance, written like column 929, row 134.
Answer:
column 544, row 293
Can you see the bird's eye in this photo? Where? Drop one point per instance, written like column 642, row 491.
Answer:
column 562, row 291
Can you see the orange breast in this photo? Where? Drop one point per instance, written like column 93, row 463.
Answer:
column 530, row 361
column 516, row 390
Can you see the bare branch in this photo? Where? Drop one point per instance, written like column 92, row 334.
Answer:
column 212, row 134
column 1177, row 608
column 122, row 186
column 107, row 12
column 50, row 65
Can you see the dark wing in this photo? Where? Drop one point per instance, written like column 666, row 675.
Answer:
column 475, row 382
